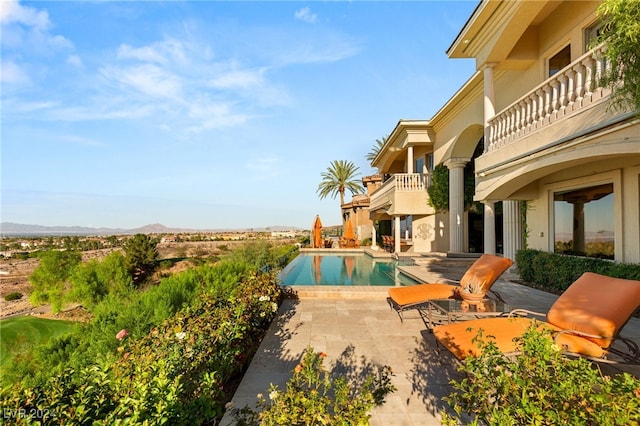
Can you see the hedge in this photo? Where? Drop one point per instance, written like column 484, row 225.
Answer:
column 558, row 271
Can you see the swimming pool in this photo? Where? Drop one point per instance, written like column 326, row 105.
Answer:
column 352, row 269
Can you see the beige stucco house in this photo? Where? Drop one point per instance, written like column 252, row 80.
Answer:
column 357, row 210
column 555, row 168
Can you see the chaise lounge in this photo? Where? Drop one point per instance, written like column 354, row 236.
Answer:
column 584, row 321
column 487, row 269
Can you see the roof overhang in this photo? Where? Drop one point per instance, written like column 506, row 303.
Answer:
column 406, row 133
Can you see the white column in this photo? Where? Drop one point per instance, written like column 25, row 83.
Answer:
column 512, row 228
column 489, row 227
column 396, row 234
column 456, row 203
column 374, row 242
column 489, row 103
column 489, row 112
column 410, row 159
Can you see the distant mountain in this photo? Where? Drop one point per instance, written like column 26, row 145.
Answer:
column 17, row 229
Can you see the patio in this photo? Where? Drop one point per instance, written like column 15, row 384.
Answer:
column 357, row 328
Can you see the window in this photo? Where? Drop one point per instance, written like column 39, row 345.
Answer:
column 584, row 222
column 425, row 164
column 591, row 34
column 560, row 60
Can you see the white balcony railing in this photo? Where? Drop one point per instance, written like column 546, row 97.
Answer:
column 574, row 88
column 400, row 182
column 405, row 182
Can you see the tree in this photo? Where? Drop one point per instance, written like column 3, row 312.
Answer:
column 621, row 35
column 376, row 149
column 439, row 189
column 340, row 176
column 50, row 277
column 140, row 253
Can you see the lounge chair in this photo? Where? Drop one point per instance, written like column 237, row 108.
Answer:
column 584, row 321
column 487, row 269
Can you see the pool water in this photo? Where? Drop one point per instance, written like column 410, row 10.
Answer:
column 353, row 269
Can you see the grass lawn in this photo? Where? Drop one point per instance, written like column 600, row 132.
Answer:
column 27, row 331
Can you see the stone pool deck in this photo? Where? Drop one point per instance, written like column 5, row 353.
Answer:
column 357, row 329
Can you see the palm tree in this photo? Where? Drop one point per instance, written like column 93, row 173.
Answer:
column 340, row 176
column 376, row 149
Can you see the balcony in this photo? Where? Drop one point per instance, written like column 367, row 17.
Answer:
column 531, row 121
column 402, row 194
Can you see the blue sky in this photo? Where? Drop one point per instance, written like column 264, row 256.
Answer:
column 208, row 114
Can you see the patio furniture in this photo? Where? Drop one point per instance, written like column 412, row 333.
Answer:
column 584, row 321
column 453, row 310
column 487, row 269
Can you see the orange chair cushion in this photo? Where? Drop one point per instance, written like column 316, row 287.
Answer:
column 487, row 269
column 412, row 294
column 458, row 337
column 596, row 304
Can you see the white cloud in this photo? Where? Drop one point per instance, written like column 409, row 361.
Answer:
column 238, row 79
column 146, row 79
column 305, row 15
column 24, row 26
column 11, row 11
column 13, row 73
column 163, row 52
column 75, row 60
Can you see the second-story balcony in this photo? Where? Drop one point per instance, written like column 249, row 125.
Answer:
column 569, row 103
column 402, row 194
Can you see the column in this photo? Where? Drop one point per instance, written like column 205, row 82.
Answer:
column 489, row 112
column 396, row 234
column 374, row 238
column 489, row 103
column 456, row 203
column 513, row 230
column 489, row 227
column 410, row 159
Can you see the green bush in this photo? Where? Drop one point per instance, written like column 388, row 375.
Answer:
column 541, row 387
column 179, row 373
column 50, row 277
column 557, row 272
column 315, row 396
column 14, row 295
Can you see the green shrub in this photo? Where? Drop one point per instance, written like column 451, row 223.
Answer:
column 179, row 373
column 557, row 272
column 14, row 295
column 49, row 278
column 315, row 396
column 542, row 387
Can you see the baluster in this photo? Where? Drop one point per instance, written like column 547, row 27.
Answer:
column 562, row 101
column 579, row 69
column 540, row 94
column 527, row 114
column 554, row 98
column 570, row 87
column 600, row 64
column 509, row 129
column 523, row 116
column 534, row 109
column 491, row 135
column 516, row 121
column 588, row 81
